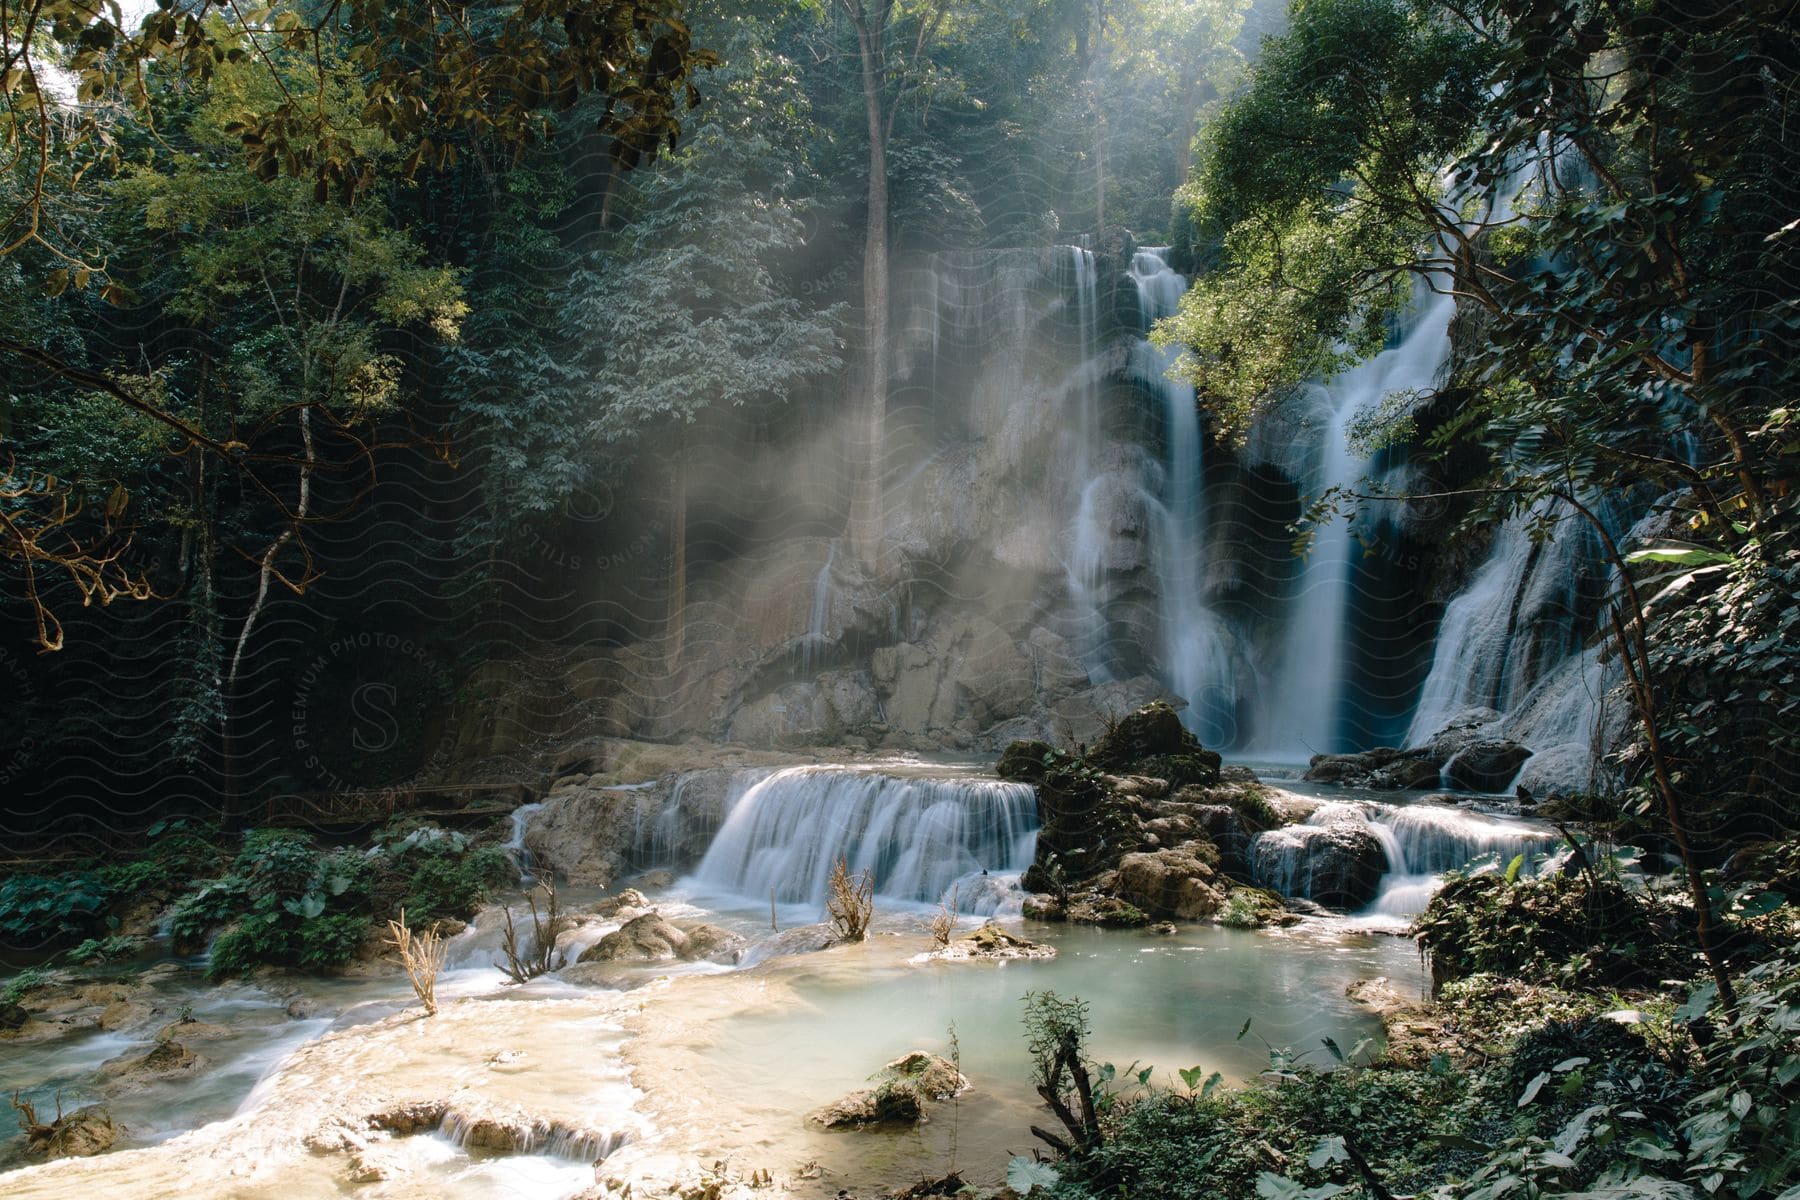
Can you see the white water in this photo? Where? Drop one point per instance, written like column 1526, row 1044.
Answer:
column 920, row 837
column 1309, row 687
column 1084, row 564
column 1520, row 622
column 515, row 843
column 1419, row 842
column 1199, row 655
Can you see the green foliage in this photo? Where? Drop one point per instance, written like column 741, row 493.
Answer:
column 37, row 910
column 20, row 985
column 1554, row 928
column 287, row 903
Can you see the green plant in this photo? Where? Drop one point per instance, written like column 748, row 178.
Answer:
column 39, row 910
column 20, row 985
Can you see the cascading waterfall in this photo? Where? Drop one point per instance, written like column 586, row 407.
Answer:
column 1198, row 655
column 515, row 847
column 1520, row 621
column 1310, row 679
column 1419, row 843
column 1084, row 566
column 920, row 837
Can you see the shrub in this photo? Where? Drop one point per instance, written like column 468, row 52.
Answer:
column 1556, row 928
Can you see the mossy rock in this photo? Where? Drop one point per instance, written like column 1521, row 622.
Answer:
column 1153, row 741
column 1025, row 761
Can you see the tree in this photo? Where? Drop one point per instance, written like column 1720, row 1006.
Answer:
column 1624, row 273
column 425, row 78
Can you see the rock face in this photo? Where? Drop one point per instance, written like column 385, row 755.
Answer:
column 899, row 1097
column 1338, row 864
column 1488, row 766
column 593, row 833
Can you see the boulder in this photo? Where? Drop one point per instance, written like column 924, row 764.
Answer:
column 12, row 1017
column 1024, row 761
column 80, row 1134
column 1385, row 768
column 1567, row 769
column 648, row 938
column 1486, row 766
column 1338, row 864
column 991, row 942
column 164, row 1060
column 903, row 1089
column 1179, row 882
column 610, row 906
column 1467, row 727
column 1153, row 741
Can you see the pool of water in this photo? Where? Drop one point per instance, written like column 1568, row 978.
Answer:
column 1166, row 1002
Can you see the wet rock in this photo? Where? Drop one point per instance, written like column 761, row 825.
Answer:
column 610, row 906
column 648, row 938
column 12, row 1017
column 899, row 1097
column 165, row 1060
column 1486, row 766
column 1415, row 1035
column 1467, row 727
column 713, row 944
column 1406, row 774
column 194, row 1031
column 656, row 880
column 801, row 939
column 1024, row 761
column 1339, row 864
column 410, row 1117
column 80, row 1134
column 1383, row 769
column 127, row 1013
column 302, row 1008
column 1179, row 882
column 1087, row 908
column 1568, row 769
column 1152, row 741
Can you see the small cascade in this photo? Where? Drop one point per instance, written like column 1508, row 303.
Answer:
column 1526, row 614
column 1198, row 651
column 1330, row 857
column 818, row 635
column 515, row 848
column 920, row 837
column 1084, row 566
column 1310, row 683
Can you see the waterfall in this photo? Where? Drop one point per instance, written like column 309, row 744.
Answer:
column 1311, row 673
column 1526, row 613
column 515, row 847
column 1084, row 567
column 1198, row 650
column 920, row 837
column 1418, row 843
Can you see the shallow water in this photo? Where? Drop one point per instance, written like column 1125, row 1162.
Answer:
column 1168, row 1002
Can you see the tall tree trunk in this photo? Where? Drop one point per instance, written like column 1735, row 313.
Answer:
column 868, row 426
column 265, row 574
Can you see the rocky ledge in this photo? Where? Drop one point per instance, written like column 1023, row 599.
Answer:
column 1146, row 825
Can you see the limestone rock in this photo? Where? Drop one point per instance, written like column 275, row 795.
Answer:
column 1338, row 864
column 1177, row 882
column 991, row 942
column 1568, row 769
column 1467, row 727
column 80, row 1134
column 906, row 1085
column 648, row 938
column 164, row 1060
